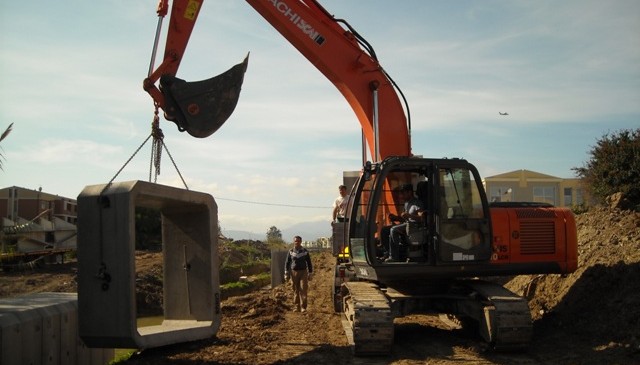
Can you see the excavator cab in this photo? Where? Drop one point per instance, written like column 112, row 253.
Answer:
column 455, row 229
column 201, row 107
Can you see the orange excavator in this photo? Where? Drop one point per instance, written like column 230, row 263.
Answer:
column 447, row 263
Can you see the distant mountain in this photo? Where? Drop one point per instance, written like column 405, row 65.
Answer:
column 309, row 231
column 244, row 235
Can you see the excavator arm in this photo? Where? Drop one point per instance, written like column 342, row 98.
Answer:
column 332, row 49
column 183, row 19
column 201, row 107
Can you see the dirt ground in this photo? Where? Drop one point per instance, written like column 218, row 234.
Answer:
column 589, row 317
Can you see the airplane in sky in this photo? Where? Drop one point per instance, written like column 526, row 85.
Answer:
column 505, row 113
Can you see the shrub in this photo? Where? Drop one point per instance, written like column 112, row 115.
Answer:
column 614, row 167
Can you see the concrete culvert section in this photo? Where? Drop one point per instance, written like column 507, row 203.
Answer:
column 106, row 265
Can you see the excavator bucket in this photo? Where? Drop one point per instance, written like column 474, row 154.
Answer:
column 201, row 107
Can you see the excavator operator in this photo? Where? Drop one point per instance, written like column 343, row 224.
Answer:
column 412, row 213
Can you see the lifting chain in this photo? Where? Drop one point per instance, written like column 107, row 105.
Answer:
column 156, row 146
column 156, row 150
column 156, row 153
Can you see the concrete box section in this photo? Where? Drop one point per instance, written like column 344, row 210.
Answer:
column 106, row 265
column 42, row 328
column 278, row 258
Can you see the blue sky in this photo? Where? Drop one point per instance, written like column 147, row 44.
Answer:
column 71, row 72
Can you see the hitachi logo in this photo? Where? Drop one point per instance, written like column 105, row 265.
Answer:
column 296, row 19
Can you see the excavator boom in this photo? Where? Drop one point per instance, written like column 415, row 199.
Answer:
column 337, row 54
column 202, row 107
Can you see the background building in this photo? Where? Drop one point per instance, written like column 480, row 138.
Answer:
column 33, row 221
column 531, row 186
column 28, row 204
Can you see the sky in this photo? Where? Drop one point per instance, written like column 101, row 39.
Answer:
column 567, row 73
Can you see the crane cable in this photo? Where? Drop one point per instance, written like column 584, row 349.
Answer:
column 156, row 153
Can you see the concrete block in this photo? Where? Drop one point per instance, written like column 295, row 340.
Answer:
column 40, row 329
column 69, row 339
column 10, row 339
column 30, row 333
column 278, row 258
column 106, row 265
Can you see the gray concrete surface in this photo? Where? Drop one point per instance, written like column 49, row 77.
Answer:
column 106, row 265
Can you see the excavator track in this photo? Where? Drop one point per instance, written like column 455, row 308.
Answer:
column 368, row 322
column 506, row 319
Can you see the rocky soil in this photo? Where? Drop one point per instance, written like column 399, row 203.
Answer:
column 591, row 316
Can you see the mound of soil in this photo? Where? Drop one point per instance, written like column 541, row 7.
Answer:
column 591, row 316
column 597, row 306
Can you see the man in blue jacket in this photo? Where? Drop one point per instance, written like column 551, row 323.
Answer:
column 298, row 268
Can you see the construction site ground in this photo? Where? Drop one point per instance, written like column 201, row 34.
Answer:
column 589, row 317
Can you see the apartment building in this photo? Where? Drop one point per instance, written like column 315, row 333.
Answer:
column 531, row 186
column 27, row 203
column 42, row 220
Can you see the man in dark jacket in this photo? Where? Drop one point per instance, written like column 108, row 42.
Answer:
column 298, row 268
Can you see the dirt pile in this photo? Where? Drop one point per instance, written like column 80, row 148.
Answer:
column 261, row 328
column 599, row 304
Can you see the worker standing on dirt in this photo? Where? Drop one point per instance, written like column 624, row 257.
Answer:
column 298, row 268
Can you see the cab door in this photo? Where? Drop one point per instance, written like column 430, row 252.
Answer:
column 461, row 216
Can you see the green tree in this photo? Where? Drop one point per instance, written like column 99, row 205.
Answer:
column 614, row 167
column 148, row 228
column 3, row 136
column 274, row 235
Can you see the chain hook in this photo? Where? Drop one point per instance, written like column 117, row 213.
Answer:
column 156, row 145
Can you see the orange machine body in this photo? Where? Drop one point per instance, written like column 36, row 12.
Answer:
column 526, row 238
